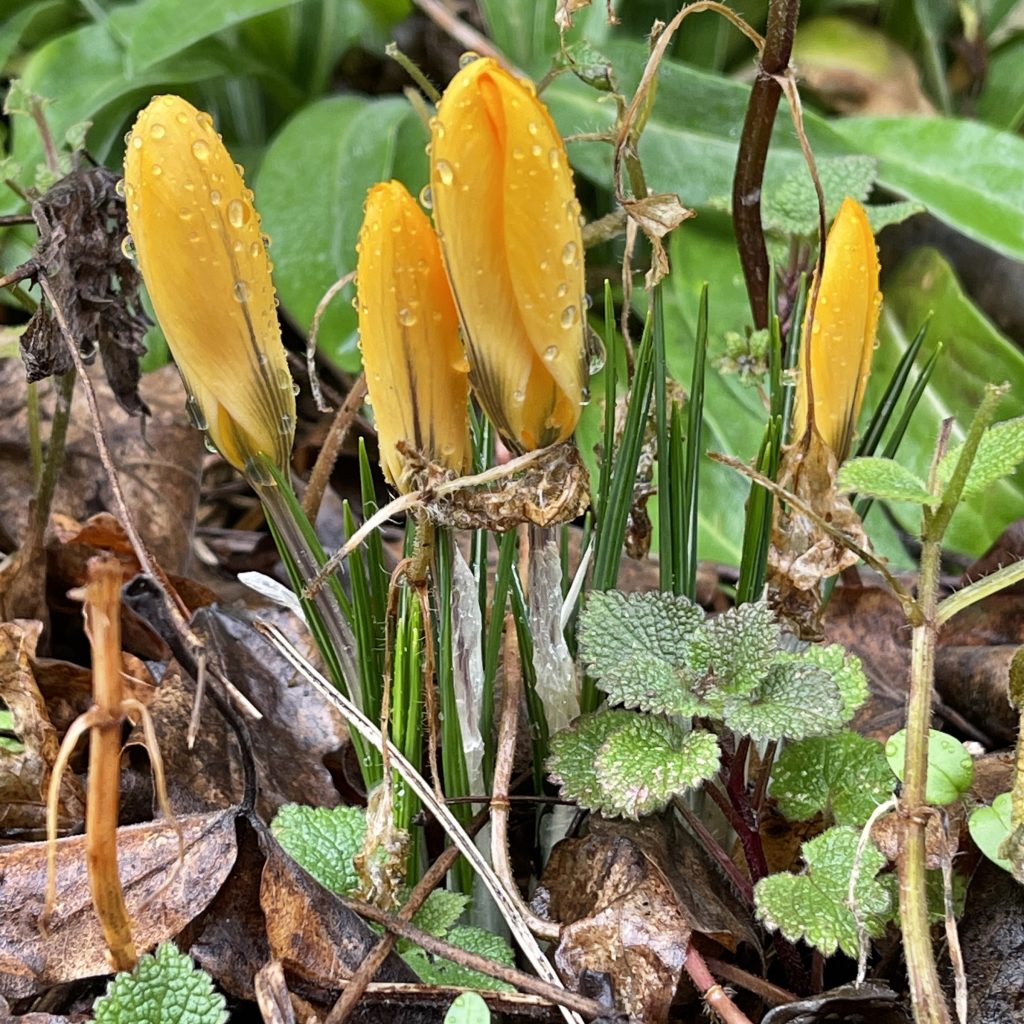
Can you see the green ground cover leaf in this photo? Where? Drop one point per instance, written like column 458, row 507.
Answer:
column 950, row 766
column 990, row 827
column 1000, row 454
column 812, row 906
column 323, row 840
column 844, row 776
column 436, row 970
column 164, row 988
column 884, row 478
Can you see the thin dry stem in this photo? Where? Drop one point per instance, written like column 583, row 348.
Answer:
column 459, row 30
column 314, row 334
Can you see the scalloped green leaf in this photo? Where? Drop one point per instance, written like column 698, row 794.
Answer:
column 991, row 826
column 164, row 988
column 637, row 645
column 791, row 207
column 574, row 751
column 641, row 766
column 737, row 647
column 796, row 699
column 323, row 840
column 886, row 479
column 950, row 766
column 436, row 970
column 812, row 906
column 845, row 776
column 846, row 671
column 999, row 454
column 440, row 911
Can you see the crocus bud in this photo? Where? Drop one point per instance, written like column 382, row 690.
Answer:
column 508, row 219
column 838, row 347
column 416, row 371
column 199, row 248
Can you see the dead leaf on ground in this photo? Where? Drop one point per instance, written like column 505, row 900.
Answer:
column 620, row 917
column 975, row 682
column 872, row 1001
column 25, row 774
column 315, row 936
column 73, row 947
column 31, row 1018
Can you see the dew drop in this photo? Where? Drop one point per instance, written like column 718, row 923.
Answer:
column 119, row 187
column 569, row 253
column 467, row 58
column 287, row 424
column 128, row 247
column 554, row 159
column 185, row 213
column 136, row 142
column 193, row 236
column 518, row 396
column 201, row 150
column 437, row 127
column 181, row 118
column 156, row 170
column 551, row 353
column 536, row 149
column 445, row 174
column 532, row 127
column 254, row 249
column 237, row 213
column 570, row 317
column 266, row 239
column 195, row 413
column 563, row 290
column 426, row 198
column 214, row 197
column 518, row 153
column 241, row 291
column 595, row 352
column 204, row 120
column 407, row 317
column 158, row 131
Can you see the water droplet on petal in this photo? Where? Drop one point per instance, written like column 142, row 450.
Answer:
column 518, row 396
column 407, row 317
column 158, row 131
column 563, row 290
column 214, row 197
column 570, row 317
column 195, row 413
column 551, row 353
column 468, row 57
column 445, row 174
column 128, row 247
column 119, row 187
column 156, row 170
column 238, row 213
column 554, row 159
column 201, row 150
column 518, row 153
column 569, row 253
column 136, row 142
column 426, row 198
column 241, row 291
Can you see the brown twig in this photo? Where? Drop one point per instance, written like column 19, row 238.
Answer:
column 714, row 848
column 459, row 30
column 711, row 991
column 516, row 1004
column 103, row 626
column 771, row 994
column 753, row 154
column 525, row 982
column 432, row 878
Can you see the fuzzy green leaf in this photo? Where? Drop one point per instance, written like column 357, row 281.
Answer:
column 846, row 776
column 164, row 988
column 846, row 672
column 797, row 699
column 737, row 647
column 574, row 751
column 792, row 207
column 991, row 826
column 950, row 767
column 637, row 646
column 440, row 911
column 885, row 479
column 812, row 906
column 1000, row 453
column 886, row 214
column 323, row 840
column 468, row 1008
column 439, row 971
column 641, row 766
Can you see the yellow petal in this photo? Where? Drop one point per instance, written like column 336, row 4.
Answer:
column 204, row 262
column 837, row 349
column 416, row 369
column 508, row 219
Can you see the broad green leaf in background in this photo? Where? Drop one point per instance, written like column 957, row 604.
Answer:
column 310, row 193
column 990, row 826
column 974, row 354
column 323, row 840
column 1000, row 453
column 950, row 767
column 885, row 479
column 468, row 1008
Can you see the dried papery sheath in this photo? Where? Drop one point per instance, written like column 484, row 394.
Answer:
column 508, row 219
column 204, row 261
column 838, row 346
column 416, row 370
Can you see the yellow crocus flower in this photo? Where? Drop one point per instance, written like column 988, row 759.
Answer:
column 837, row 348
column 197, row 238
column 416, row 370
column 508, row 220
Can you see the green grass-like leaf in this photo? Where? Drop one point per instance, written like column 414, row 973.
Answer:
column 164, row 988
column 883, row 478
column 323, row 840
column 844, row 776
column 812, row 906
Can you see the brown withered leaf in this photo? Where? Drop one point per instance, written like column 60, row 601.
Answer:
column 874, row 1002
column 31, row 1018
column 802, row 554
column 161, row 898
column 566, row 9
column 657, row 215
column 553, row 489
column 620, row 918
column 81, row 223
column 159, row 472
column 25, row 774
column 314, row 935
column 974, row 680
column 272, row 995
